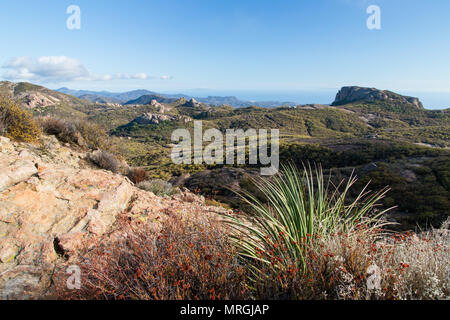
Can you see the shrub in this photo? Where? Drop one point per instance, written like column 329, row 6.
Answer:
column 137, row 175
column 300, row 206
column 158, row 187
column 17, row 123
column 189, row 259
column 349, row 266
column 3, row 124
column 105, row 160
column 94, row 135
column 63, row 130
column 215, row 203
column 81, row 132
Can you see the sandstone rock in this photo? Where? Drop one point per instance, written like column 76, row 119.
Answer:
column 153, row 118
column 22, row 286
column 5, row 145
column 192, row 103
column 16, row 172
column 156, row 118
column 52, row 206
column 36, row 99
column 8, row 252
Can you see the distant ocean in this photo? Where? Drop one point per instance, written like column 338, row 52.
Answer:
column 430, row 100
column 299, row 97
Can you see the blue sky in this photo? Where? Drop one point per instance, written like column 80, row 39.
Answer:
column 288, row 49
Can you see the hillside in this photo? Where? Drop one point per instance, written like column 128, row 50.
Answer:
column 106, row 95
column 381, row 130
column 53, row 202
column 140, row 97
column 59, row 209
column 147, row 99
column 41, row 100
column 34, row 96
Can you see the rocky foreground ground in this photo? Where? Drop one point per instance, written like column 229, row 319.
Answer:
column 53, row 202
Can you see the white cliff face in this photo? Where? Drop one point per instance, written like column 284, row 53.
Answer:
column 353, row 94
column 53, row 202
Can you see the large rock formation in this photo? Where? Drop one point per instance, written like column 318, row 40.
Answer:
column 193, row 103
column 353, row 94
column 53, row 202
column 156, row 118
column 153, row 118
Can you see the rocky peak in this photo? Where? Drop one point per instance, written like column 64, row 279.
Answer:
column 192, row 103
column 353, row 94
column 160, row 107
column 155, row 103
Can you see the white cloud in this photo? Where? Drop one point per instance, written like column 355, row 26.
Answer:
column 139, row 76
column 58, row 69
column 166, row 77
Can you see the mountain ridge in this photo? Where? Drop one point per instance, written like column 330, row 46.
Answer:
column 131, row 97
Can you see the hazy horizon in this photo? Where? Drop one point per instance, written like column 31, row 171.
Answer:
column 430, row 100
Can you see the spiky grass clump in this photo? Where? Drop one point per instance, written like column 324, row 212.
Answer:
column 298, row 207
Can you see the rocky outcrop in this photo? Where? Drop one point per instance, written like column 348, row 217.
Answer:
column 193, row 103
column 160, row 107
column 36, row 99
column 155, row 103
column 52, row 203
column 353, row 94
column 153, row 118
column 156, row 118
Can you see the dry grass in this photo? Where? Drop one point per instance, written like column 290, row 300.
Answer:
column 137, row 175
column 83, row 133
column 95, row 136
column 186, row 260
column 360, row 265
column 3, row 123
column 105, row 160
column 158, row 187
column 196, row 260
column 63, row 130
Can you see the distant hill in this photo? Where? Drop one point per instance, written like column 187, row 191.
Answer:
column 354, row 94
column 33, row 96
column 115, row 97
column 237, row 103
column 388, row 138
column 99, row 99
column 143, row 96
column 147, row 99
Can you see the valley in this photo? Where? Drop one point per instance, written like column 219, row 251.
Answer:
column 386, row 138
